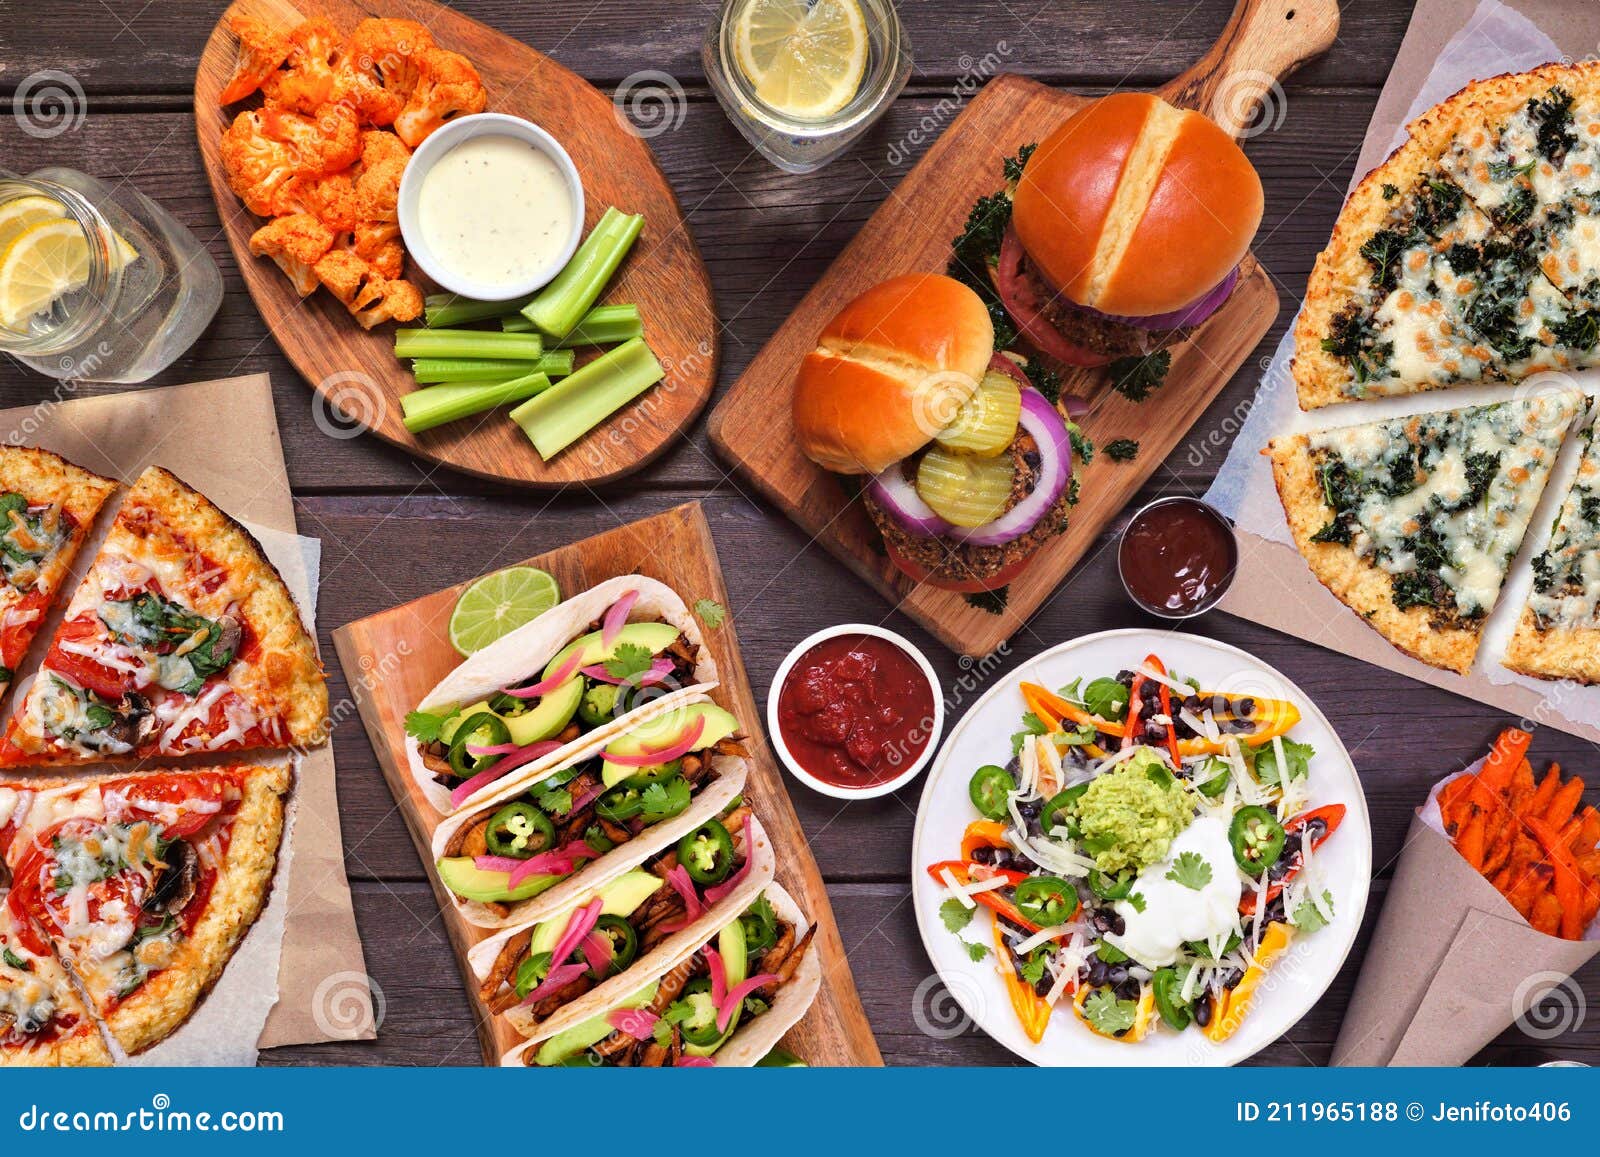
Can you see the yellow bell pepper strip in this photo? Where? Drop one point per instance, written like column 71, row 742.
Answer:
column 983, row 834
column 1273, row 717
column 1228, row 1009
column 1142, row 1017
column 1331, row 815
column 965, row 873
column 1031, row 1008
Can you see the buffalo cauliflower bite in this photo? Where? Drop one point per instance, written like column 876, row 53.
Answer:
column 450, row 87
column 257, row 167
column 383, row 64
column 262, row 49
column 296, row 243
column 369, row 296
column 306, row 82
column 320, row 144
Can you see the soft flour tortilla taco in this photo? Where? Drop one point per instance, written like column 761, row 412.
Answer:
column 646, row 917
column 529, row 847
column 525, row 703
column 725, row 1002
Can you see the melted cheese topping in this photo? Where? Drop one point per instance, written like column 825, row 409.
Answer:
column 1567, row 572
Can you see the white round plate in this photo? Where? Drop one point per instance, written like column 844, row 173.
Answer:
column 983, row 736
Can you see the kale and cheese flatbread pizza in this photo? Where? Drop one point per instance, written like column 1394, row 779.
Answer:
column 1471, row 254
column 1413, row 522
column 43, row 1023
column 143, row 885
column 47, row 507
column 182, row 638
column 1558, row 635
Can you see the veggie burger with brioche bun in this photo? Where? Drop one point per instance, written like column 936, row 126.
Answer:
column 971, row 467
column 1117, row 235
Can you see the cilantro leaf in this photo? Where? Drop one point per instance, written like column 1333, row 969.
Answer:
column 1031, row 725
column 1191, row 870
column 976, row 952
column 1308, row 917
column 629, row 660
column 1108, row 1014
column 662, row 1032
column 556, row 802
column 664, row 798
column 424, row 727
column 1136, row 378
column 1122, row 450
column 710, row 612
column 1082, row 447
column 955, row 914
column 1136, row 901
column 1032, row 970
column 1296, row 755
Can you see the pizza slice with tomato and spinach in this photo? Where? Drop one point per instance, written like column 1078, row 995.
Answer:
column 143, row 885
column 181, row 639
column 47, row 507
column 43, row 1023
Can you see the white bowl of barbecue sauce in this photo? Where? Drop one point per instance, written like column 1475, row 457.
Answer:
column 491, row 207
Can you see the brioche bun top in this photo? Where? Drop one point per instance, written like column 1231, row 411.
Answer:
column 890, row 371
column 1137, row 208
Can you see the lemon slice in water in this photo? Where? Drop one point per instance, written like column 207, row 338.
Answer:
column 498, row 604
column 22, row 213
column 804, row 58
column 46, row 261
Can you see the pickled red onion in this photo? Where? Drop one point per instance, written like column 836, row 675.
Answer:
column 544, row 686
column 599, row 951
column 560, row 862
column 665, row 754
column 579, row 926
column 470, row 787
column 617, row 617
column 691, row 1062
column 679, row 879
column 506, row 864
column 638, row 1023
column 557, row 979
column 732, row 1001
column 659, row 669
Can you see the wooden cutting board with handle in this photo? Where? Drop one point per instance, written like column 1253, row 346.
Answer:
column 354, row 371
column 394, row 658
column 1236, row 83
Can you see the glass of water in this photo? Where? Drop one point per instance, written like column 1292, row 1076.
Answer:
column 802, row 79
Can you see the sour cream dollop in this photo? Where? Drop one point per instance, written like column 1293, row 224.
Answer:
column 1173, row 912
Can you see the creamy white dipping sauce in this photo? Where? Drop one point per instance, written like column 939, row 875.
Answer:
column 495, row 209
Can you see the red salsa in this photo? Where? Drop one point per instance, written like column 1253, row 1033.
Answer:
column 1177, row 557
column 856, row 711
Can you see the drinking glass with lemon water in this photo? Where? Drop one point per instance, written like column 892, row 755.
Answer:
column 97, row 282
column 802, row 79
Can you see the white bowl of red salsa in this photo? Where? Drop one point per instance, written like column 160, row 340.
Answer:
column 855, row 711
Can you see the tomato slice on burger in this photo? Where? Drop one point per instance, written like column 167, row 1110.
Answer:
column 971, row 586
column 1018, row 296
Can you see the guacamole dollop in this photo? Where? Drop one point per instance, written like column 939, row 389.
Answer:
column 1129, row 816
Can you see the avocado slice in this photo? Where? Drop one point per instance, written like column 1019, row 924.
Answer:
column 574, row 1040
column 735, row 958
column 552, row 713
column 653, row 637
column 664, row 730
column 470, row 882
column 621, row 897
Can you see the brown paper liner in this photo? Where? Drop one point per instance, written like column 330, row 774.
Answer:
column 1449, row 966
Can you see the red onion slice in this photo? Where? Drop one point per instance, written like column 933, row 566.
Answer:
column 1043, row 421
column 636, row 1022
column 616, row 617
column 731, row 1002
column 898, row 498
column 1190, row 315
column 666, row 754
column 659, row 669
column 544, row 686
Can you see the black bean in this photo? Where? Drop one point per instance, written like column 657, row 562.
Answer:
column 984, row 855
column 1192, row 703
column 1097, row 972
column 1202, row 1011
column 1043, row 985
column 1233, row 978
column 1125, row 678
column 1030, row 808
column 1314, row 830
column 1247, row 707
column 1127, row 990
column 1116, row 973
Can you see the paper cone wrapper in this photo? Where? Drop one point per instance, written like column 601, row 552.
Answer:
column 1451, row 966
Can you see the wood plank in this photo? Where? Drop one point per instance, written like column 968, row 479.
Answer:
column 767, row 237
column 753, row 425
column 675, row 547
column 354, row 370
column 136, row 48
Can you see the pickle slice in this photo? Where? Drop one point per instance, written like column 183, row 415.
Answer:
column 986, row 423
column 963, row 489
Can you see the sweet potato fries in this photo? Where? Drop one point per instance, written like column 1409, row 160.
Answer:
column 1534, row 841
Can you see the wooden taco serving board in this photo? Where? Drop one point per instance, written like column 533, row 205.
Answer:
column 675, row 547
column 355, row 371
column 912, row 231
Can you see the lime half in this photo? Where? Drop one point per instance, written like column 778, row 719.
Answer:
column 498, row 604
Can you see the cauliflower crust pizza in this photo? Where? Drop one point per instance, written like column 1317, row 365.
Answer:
column 142, row 885
column 47, row 506
column 1412, row 522
column 1471, row 254
column 182, row 639
column 43, row 1023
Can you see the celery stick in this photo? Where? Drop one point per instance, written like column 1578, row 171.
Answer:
column 443, row 310
column 561, row 415
column 436, row 405
column 516, row 323
column 562, row 304
column 606, row 325
column 467, row 343
column 555, row 363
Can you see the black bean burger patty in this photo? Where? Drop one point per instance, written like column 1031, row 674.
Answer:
column 948, row 559
column 1101, row 335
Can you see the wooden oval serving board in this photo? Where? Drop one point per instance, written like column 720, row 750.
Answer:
column 355, row 371
column 675, row 547
column 753, row 426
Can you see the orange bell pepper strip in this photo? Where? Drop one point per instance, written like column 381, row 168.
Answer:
column 1228, row 1009
column 1031, row 1008
column 1274, row 717
column 983, row 834
column 1000, row 905
column 1569, row 884
column 1143, row 1016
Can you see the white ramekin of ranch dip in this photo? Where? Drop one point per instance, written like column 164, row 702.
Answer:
column 491, row 207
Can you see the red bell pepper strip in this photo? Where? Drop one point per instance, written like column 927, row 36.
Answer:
column 1332, row 815
column 1132, row 729
column 1031, row 1008
column 965, row 873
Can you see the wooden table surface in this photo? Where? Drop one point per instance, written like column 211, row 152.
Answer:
column 393, row 530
